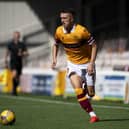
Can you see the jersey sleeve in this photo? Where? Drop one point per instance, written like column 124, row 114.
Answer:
column 56, row 37
column 88, row 37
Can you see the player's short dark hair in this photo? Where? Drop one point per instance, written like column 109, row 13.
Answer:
column 69, row 10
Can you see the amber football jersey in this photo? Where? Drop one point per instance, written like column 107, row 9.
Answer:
column 77, row 43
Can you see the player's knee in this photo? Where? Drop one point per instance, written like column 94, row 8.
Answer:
column 91, row 94
column 91, row 91
column 78, row 91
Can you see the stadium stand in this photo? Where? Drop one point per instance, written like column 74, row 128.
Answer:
column 19, row 16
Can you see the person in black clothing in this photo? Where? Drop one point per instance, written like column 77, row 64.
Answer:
column 16, row 50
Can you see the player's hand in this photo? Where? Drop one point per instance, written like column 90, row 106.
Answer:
column 19, row 52
column 90, row 68
column 53, row 65
column 25, row 53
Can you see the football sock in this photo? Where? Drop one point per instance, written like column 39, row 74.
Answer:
column 92, row 114
column 83, row 100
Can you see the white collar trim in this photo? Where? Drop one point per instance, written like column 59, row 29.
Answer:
column 72, row 30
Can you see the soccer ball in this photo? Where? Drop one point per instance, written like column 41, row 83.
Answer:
column 7, row 117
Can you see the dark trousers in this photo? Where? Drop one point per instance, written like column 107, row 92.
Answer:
column 15, row 84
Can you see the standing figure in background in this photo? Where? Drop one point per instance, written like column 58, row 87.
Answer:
column 16, row 50
column 81, row 49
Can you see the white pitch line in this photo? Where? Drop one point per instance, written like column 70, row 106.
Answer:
column 59, row 102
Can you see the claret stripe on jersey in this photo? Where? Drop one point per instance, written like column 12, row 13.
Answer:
column 75, row 45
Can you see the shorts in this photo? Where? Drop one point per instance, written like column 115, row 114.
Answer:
column 81, row 70
column 17, row 67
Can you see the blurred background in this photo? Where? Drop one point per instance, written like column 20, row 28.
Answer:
column 107, row 20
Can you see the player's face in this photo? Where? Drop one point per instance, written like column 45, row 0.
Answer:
column 16, row 36
column 66, row 19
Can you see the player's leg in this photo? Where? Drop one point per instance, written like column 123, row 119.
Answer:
column 75, row 73
column 91, row 92
column 19, row 72
column 90, row 81
column 14, row 79
column 84, row 81
column 81, row 94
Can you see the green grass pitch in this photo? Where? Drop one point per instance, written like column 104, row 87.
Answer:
column 45, row 112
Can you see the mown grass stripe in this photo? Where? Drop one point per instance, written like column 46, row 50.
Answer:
column 59, row 102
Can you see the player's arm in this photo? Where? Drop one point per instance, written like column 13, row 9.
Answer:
column 91, row 41
column 93, row 53
column 54, row 55
column 93, row 57
column 25, row 53
column 55, row 49
column 25, row 50
column 6, row 58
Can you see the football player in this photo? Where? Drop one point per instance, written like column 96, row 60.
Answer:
column 81, row 49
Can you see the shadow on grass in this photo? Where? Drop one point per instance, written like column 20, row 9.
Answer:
column 121, row 119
